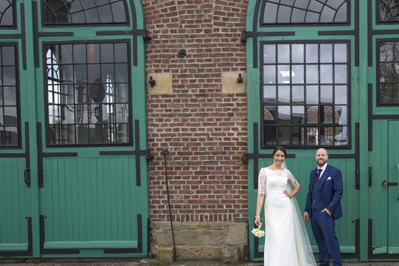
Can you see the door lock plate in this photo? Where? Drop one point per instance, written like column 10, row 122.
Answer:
column 386, row 184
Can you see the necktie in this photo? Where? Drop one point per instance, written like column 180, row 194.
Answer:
column 318, row 174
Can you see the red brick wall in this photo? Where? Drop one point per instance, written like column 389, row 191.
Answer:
column 204, row 129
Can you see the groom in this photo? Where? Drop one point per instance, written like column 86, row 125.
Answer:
column 323, row 206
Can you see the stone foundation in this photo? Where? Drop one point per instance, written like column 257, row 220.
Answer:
column 218, row 242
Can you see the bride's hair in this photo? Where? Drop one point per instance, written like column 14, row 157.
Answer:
column 280, row 148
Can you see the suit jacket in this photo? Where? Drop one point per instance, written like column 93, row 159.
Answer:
column 330, row 190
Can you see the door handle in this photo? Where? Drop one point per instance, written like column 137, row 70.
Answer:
column 27, row 177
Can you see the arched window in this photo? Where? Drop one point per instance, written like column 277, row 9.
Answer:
column 305, row 11
column 7, row 13
column 75, row 12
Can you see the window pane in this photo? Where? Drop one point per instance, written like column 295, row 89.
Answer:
column 298, row 136
column 284, row 74
column 284, row 94
column 89, row 101
column 340, row 53
column 312, row 52
column 327, row 114
column 59, row 12
column 326, row 53
column 341, row 95
column 312, row 114
column 326, row 74
column 340, row 74
column 270, row 115
column 284, row 115
column 326, row 94
column 9, row 76
column 298, row 115
column 298, row 94
column 341, row 115
column 312, row 74
column 269, row 53
column 269, row 74
column 312, row 94
column 270, row 136
column 10, row 116
column 269, row 94
column 284, row 136
column 283, row 53
column 298, row 53
column 312, row 136
column 10, row 96
column 298, row 75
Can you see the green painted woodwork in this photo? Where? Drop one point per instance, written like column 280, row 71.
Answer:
column 90, row 202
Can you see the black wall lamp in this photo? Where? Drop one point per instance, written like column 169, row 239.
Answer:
column 152, row 82
column 182, row 53
column 239, row 80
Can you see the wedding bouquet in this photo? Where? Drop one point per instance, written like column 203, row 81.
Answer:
column 257, row 231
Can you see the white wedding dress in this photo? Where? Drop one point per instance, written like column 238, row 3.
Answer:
column 287, row 242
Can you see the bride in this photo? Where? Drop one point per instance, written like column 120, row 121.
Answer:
column 286, row 242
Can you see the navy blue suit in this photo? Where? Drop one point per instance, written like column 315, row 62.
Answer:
column 325, row 193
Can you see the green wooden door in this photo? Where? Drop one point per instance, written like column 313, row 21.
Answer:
column 82, row 99
column 384, row 193
column 303, row 90
column 16, row 188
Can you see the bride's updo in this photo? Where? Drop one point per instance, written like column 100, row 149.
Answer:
column 279, row 148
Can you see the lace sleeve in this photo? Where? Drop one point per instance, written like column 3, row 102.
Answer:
column 292, row 179
column 262, row 182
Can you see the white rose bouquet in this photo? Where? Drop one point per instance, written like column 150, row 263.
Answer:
column 257, row 231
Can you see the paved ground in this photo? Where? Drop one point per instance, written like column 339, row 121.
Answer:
column 142, row 262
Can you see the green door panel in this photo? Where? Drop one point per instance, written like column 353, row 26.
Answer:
column 14, row 206
column 378, row 195
column 89, row 203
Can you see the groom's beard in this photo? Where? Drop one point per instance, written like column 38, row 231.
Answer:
column 321, row 163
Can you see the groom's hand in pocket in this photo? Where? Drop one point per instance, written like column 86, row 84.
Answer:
column 326, row 210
